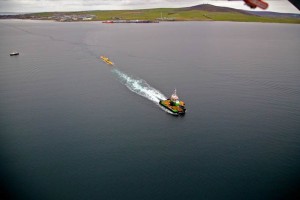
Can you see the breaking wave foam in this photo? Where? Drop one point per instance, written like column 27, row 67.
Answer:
column 139, row 86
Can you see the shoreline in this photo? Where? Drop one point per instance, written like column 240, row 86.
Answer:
column 161, row 22
column 199, row 13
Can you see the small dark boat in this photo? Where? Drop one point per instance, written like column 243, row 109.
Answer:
column 14, row 54
column 174, row 105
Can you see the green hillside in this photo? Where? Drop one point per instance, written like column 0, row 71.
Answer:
column 208, row 13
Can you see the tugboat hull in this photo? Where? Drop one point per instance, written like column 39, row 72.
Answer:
column 175, row 109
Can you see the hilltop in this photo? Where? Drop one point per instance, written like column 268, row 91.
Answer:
column 204, row 12
column 212, row 8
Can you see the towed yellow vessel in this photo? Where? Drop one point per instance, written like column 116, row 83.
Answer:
column 107, row 61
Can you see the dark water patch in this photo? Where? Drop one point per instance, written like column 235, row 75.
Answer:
column 72, row 129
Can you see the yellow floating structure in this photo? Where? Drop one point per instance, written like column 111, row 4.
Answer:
column 107, row 61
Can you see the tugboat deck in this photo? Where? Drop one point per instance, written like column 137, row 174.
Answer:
column 167, row 103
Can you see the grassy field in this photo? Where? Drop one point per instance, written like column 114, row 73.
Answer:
column 177, row 15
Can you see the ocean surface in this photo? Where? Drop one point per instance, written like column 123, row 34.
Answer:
column 72, row 127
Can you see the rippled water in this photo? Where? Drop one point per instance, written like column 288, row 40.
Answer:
column 74, row 128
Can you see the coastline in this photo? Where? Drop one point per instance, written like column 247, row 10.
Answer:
column 133, row 24
column 200, row 13
column 161, row 22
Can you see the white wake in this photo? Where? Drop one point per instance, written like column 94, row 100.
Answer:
column 139, row 86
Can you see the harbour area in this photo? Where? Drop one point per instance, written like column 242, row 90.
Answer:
column 59, row 17
column 129, row 21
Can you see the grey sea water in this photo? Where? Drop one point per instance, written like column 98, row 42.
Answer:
column 74, row 128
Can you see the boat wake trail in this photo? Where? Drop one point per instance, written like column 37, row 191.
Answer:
column 139, row 86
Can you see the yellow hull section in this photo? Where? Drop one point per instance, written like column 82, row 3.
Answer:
column 107, row 61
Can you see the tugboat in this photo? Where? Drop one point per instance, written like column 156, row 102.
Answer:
column 173, row 104
column 107, row 61
column 14, row 53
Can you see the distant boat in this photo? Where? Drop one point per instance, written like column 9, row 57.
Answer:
column 107, row 61
column 108, row 22
column 14, row 53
